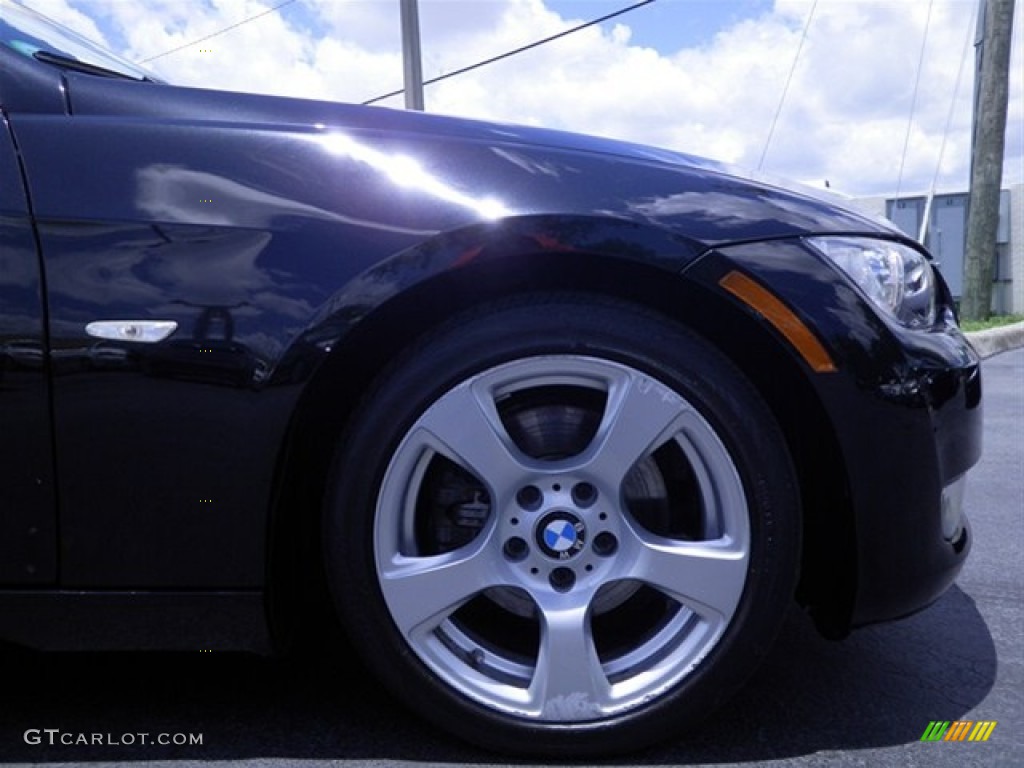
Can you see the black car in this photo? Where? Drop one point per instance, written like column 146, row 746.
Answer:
column 561, row 425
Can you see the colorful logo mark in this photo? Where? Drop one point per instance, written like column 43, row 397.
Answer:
column 959, row 730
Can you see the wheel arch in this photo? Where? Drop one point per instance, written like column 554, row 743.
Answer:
column 827, row 582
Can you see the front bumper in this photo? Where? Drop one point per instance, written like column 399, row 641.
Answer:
column 908, row 444
column 905, row 409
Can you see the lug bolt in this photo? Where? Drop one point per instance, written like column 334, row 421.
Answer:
column 605, row 544
column 529, row 497
column 562, row 579
column 584, row 494
column 516, row 549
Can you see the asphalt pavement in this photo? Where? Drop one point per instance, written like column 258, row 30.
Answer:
column 865, row 701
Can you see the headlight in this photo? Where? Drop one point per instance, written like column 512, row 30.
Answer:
column 897, row 279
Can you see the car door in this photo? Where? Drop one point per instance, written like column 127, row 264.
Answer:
column 28, row 554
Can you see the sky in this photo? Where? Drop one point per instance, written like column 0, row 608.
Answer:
column 706, row 77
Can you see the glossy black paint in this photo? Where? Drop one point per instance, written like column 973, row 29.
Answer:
column 113, row 620
column 905, row 409
column 28, row 553
column 298, row 244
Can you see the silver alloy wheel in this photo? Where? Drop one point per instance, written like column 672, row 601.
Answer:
column 557, row 545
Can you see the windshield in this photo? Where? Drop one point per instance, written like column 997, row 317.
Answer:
column 28, row 32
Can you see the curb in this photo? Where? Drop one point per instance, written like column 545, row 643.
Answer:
column 996, row 340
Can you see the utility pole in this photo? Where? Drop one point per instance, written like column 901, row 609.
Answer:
column 411, row 64
column 995, row 27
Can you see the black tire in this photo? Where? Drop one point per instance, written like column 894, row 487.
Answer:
column 655, row 585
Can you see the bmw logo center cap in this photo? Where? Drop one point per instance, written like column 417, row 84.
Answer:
column 561, row 535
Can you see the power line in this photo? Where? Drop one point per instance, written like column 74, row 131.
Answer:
column 913, row 100
column 945, row 135
column 785, row 89
column 506, row 55
column 277, row 7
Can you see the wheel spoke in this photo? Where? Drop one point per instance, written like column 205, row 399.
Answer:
column 640, row 415
column 425, row 590
column 464, row 425
column 568, row 683
column 707, row 577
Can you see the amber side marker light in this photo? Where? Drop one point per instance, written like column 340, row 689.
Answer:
column 779, row 315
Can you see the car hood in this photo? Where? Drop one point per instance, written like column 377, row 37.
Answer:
column 703, row 200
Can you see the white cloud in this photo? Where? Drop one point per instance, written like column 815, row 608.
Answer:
column 62, row 12
column 845, row 117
